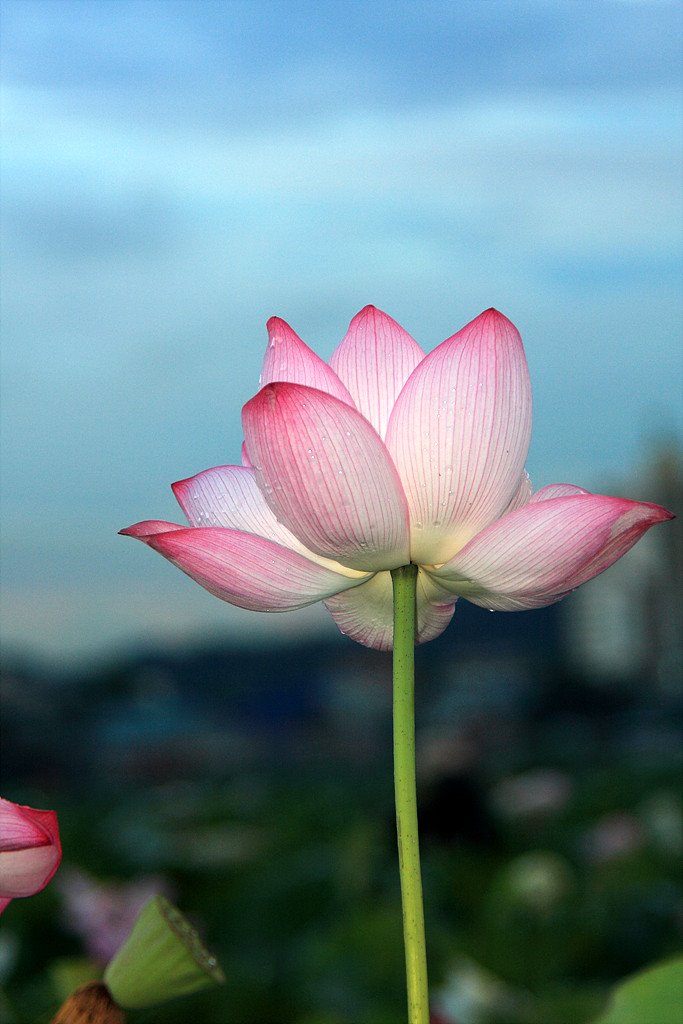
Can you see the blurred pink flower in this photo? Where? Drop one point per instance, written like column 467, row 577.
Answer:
column 30, row 851
column 535, row 793
column 438, row 1018
column 388, row 456
column 615, row 835
column 104, row 914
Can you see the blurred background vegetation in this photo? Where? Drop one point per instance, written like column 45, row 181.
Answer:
column 254, row 787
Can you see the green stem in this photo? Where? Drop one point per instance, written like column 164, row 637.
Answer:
column 404, row 582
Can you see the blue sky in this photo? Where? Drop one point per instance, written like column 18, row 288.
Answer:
column 176, row 172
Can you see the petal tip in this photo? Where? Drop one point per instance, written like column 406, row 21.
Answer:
column 494, row 316
column 268, row 394
column 178, row 486
column 276, row 327
column 130, row 531
column 648, row 512
column 364, row 314
column 661, row 514
column 148, row 529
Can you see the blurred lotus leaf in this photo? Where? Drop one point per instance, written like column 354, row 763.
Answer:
column 653, row 996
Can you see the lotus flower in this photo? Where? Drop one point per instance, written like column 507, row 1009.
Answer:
column 387, row 456
column 30, row 850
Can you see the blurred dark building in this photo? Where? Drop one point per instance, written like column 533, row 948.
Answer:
column 626, row 625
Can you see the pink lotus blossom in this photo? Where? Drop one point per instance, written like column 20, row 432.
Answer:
column 387, row 456
column 30, row 850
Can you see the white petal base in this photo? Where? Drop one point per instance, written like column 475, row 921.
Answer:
column 366, row 613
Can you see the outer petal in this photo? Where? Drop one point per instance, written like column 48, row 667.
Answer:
column 246, row 570
column 374, row 360
column 365, row 613
column 459, row 435
column 229, row 496
column 30, row 851
column 327, row 476
column 557, row 491
column 288, row 358
column 536, row 555
column 149, row 527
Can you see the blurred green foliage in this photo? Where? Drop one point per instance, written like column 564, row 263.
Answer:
column 291, row 877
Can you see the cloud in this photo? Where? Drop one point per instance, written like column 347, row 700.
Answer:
column 450, row 158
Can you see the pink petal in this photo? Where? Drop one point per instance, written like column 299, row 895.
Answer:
column 148, row 528
column 245, row 457
column 536, row 555
column 229, row 496
column 522, row 495
column 557, row 491
column 30, row 850
column 327, row 476
column 374, row 360
column 26, row 872
column 23, row 827
column 249, row 571
column 288, row 358
column 459, row 435
column 366, row 613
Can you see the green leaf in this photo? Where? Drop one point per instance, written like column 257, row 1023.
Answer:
column 653, row 996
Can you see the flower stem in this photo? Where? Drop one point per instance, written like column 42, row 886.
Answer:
column 404, row 582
